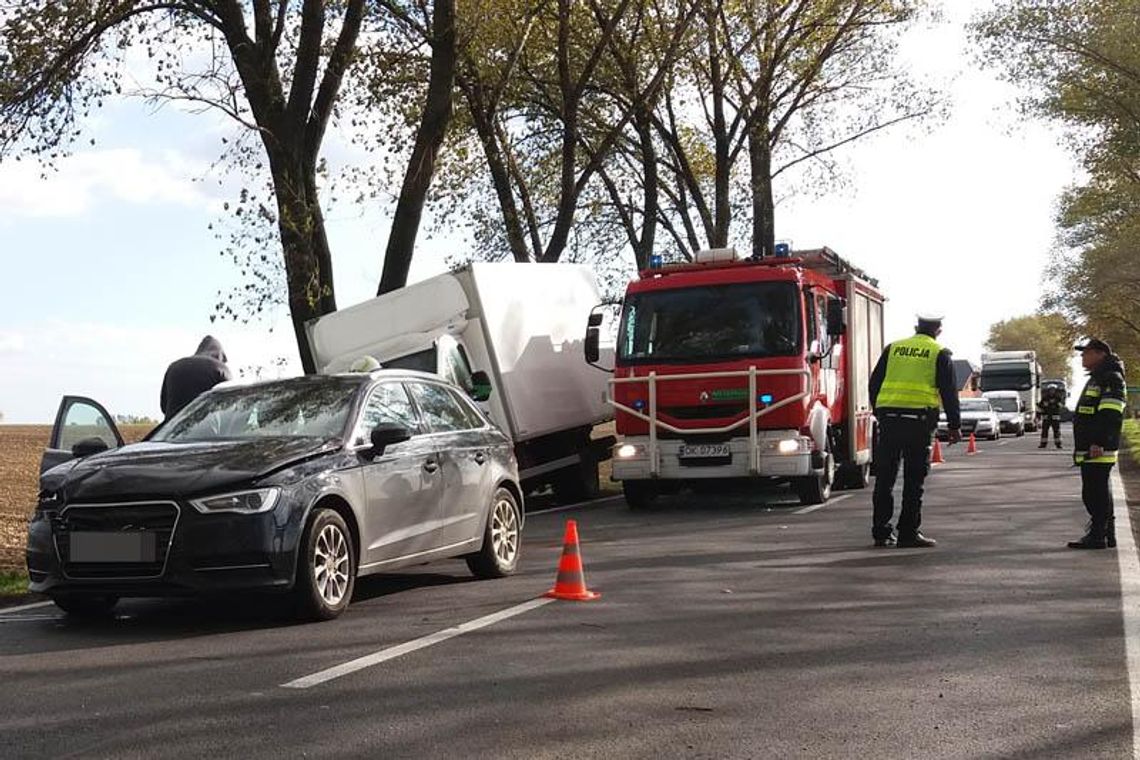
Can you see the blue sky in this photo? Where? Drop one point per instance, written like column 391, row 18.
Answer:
column 111, row 272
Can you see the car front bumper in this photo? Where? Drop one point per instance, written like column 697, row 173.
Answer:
column 198, row 554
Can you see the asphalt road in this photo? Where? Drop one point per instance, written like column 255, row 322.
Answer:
column 728, row 627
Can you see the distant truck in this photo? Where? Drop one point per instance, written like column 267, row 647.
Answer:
column 1015, row 371
column 730, row 369
column 511, row 336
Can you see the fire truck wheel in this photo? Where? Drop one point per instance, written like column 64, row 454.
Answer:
column 855, row 476
column 816, row 489
column 639, row 494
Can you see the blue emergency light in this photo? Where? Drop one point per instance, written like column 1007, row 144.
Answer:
column 655, row 261
column 639, row 405
column 783, row 250
column 766, row 398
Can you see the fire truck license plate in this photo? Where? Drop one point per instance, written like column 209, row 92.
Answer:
column 705, row 451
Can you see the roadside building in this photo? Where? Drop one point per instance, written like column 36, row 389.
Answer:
column 968, row 378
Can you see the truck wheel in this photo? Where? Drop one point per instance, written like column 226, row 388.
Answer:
column 816, row 489
column 578, row 483
column 855, row 476
column 640, row 495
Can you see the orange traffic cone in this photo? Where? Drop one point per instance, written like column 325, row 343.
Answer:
column 972, row 448
column 571, row 582
column 936, row 455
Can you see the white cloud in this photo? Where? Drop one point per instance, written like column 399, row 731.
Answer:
column 11, row 342
column 78, row 182
column 120, row 366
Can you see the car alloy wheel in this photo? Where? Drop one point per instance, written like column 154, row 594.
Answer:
column 505, row 530
column 326, row 567
column 330, row 564
column 502, row 538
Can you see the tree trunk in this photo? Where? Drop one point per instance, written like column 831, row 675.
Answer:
column 644, row 249
column 763, row 206
column 483, row 119
column 429, row 138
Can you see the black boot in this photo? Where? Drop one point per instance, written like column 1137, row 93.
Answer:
column 1089, row 540
column 1058, row 445
column 917, row 541
column 1043, row 444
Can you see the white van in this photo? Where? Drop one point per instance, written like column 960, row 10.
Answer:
column 1010, row 410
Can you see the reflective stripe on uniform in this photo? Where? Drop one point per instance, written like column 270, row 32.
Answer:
column 1086, row 410
column 1112, row 403
column 1091, row 393
column 1108, row 457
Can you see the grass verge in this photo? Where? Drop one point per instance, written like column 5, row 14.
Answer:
column 1130, row 472
column 14, row 589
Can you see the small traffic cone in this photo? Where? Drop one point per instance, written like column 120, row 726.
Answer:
column 571, row 582
column 972, row 448
column 936, row 455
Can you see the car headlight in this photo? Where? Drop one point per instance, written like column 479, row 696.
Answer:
column 240, row 502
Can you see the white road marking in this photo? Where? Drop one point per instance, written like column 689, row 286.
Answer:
column 579, row 505
column 828, row 503
column 28, row 618
column 1129, row 600
column 408, row 647
column 21, row 608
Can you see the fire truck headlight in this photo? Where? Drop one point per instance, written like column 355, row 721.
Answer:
column 627, row 451
column 788, row 446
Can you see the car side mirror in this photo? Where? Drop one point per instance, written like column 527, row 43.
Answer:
column 384, row 436
column 480, row 386
column 592, row 346
column 88, row 447
column 836, row 318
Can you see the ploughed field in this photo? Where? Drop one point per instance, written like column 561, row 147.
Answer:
column 21, row 447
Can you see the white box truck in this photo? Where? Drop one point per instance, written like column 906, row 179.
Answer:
column 520, row 324
column 1015, row 371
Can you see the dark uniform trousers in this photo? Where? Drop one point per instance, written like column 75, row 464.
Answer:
column 1050, row 421
column 903, row 440
column 1097, row 496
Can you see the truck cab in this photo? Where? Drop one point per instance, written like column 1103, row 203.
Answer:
column 730, row 369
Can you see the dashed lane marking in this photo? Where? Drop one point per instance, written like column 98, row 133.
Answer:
column 21, row 608
column 827, row 503
column 415, row 645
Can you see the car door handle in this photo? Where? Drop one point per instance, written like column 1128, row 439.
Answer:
column 431, row 466
column 480, row 457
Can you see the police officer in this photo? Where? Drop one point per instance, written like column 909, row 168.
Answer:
column 910, row 381
column 1096, row 438
column 1052, row 402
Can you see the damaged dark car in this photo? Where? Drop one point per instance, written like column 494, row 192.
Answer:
column 296, row 486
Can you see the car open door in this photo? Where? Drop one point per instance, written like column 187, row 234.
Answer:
column 79, row 421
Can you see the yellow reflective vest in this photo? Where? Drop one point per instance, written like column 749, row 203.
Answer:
column 910, row 380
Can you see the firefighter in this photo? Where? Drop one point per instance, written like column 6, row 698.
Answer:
column 913, row 377
column 1096, row 438
column 1052, row 403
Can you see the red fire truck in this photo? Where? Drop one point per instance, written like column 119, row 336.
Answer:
column 730, row 369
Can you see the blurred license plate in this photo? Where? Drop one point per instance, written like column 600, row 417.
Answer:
column 705, row 451
column 134, row 546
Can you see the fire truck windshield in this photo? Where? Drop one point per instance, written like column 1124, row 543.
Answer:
column 699, row 324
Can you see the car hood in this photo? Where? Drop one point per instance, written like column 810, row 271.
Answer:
column 178, row 470
column 971, row 416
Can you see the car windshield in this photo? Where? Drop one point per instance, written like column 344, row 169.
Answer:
column 714, row 322
column 299, row 408
column 1010, row 379
column 976, row 405
column 1004, row 404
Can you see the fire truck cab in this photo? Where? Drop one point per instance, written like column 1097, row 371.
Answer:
column 730, row 369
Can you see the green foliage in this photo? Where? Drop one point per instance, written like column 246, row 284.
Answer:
column 13, row 584
column 1050, row 335
column 1078, row 63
